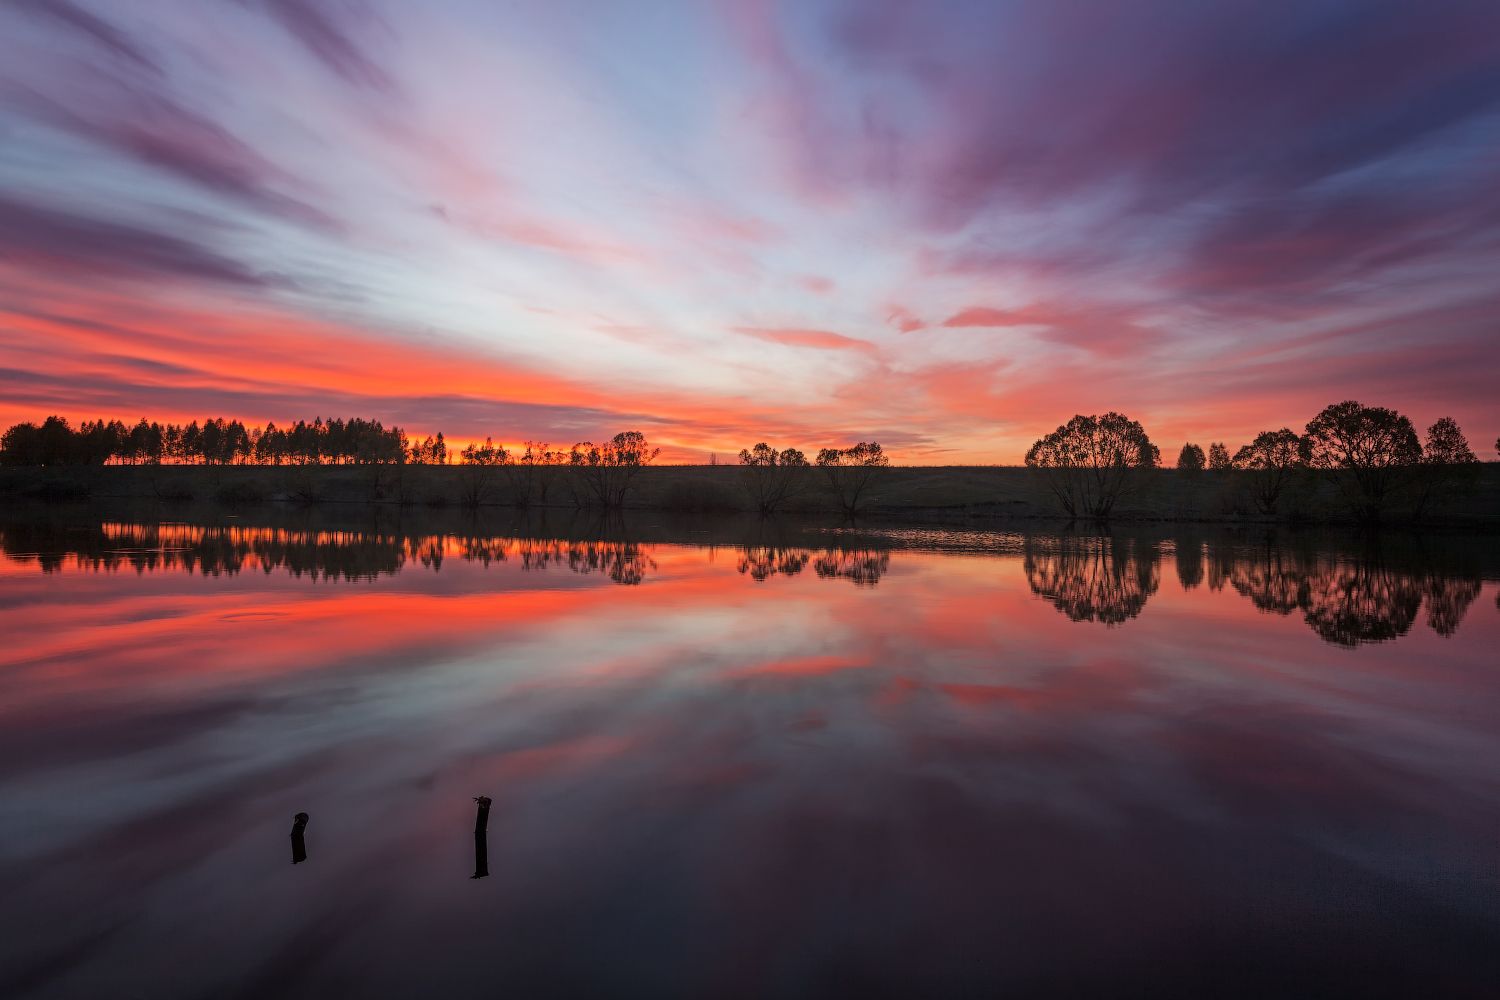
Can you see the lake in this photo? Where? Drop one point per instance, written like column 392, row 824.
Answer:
column 729, row 758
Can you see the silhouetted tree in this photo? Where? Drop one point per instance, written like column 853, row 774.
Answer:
column 479, row 463
column 1091, row 461
column 172, row 448
column 1274, row 457
column 22, row 444
column 529, row 480
column 773, row 477
column 210, row 441
column 1448, row 464
column 270, row 445
column 1190, row 459
column 1218, row 457
column 431, row 450
column 849, row 472
column 96, row 442
column 608, row 471
column 144, row 445
column 59, row 445
column 1373, row 451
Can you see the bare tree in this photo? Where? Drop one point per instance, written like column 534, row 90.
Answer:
column 478, row 465
column 762, row 562
column 864, row 567
column 773, row 477
column 608, row 471
column 850, row 471
column 527, row 473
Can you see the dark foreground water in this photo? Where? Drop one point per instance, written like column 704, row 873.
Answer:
column 736, row 760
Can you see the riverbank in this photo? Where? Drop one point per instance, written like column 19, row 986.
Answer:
column 949, row 493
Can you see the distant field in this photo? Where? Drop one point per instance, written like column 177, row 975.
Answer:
column 964, row 492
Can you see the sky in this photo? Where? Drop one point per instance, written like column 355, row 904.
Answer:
column 946, row 227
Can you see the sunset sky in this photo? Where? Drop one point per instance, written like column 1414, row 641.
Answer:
column 943, row 226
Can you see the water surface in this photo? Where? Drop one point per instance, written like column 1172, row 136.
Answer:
column 740, row 759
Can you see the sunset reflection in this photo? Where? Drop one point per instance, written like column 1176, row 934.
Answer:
column 1008, row 713
column 1348, row 597
column 1352, row 599
column 1093, row 578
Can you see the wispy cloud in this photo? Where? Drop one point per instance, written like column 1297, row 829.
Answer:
column 332, row 32
column 55, row 241
column 95, row 28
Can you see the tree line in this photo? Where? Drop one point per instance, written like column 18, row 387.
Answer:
column 601, row 474
column 604, row 474
column 215, row 441
column 1371, row 453
column 1090, row 464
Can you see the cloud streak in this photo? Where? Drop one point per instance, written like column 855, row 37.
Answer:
column 818, row 340
column 33, row 236
column 327, row 30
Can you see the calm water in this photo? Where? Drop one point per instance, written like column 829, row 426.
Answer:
column 739, row 760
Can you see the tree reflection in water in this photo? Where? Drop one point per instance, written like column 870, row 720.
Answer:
column 864, row 567
column 1362, row 602
column 761, row 562
column 1274, row 583
column 1188, row 551
column 1349, row 591
column 322, row 555
column 1355, row 599
column 219, row 550
column 1092, row 578
column 1448, row 600
column 623, row 562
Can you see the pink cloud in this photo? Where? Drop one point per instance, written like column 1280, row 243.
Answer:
column 822, row 340
column 1107, row 331
column 985, row 316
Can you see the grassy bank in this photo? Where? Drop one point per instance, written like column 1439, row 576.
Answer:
column 928, row 493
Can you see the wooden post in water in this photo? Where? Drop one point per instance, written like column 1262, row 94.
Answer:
column 481, row 837
column 299, row 846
